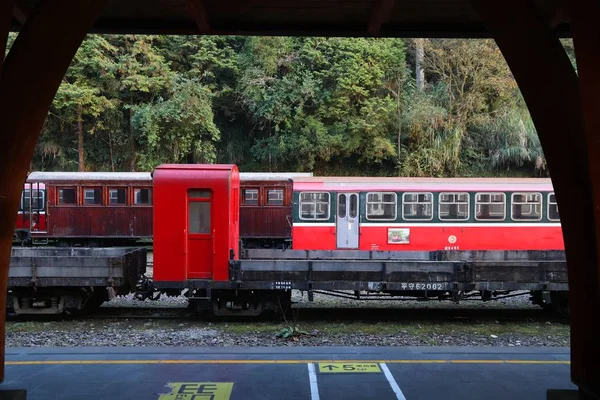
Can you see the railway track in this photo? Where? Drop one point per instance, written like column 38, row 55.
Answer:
column 324, row 314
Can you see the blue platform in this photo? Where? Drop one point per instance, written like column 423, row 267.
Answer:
column 312, row 373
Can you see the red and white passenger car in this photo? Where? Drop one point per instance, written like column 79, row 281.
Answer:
column 410, row 214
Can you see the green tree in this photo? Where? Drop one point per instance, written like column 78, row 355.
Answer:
column 142, row 76
column 320, row 100
column 81, row 93
column 179, row 128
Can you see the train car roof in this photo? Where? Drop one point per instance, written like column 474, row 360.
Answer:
column 273, row 176
column 49, row 176
column 425, row 184
column 88, row 176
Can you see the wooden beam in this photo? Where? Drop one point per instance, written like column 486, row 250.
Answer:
column 380, row 15
column 21, row 12
column 586, row 37
column 551, row 90
column 5, row 22
column 31, row 75
column 198, row 12
column 557, row 11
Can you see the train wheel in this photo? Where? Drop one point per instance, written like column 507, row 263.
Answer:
column 556, row 303
column 89, row 304
column 560, row 304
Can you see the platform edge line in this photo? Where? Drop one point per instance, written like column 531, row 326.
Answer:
column 312, row 378
column 270, row 362
column 392, row 382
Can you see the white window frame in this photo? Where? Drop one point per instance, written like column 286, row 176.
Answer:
column 254, row 189
column 282, row 198
column 300, row 203
column 110, row 189
column 491, row 194
column 42, row 191
column 468, row 204
column 395, row 203
column 75, row 190
column 93, row 189
column 548, row 208
column 138, row 191
column 512, row 203
column 417, row 202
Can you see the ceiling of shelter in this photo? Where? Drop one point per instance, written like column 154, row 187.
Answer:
column 400, row 18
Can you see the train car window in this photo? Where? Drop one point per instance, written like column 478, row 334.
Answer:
column 36, row 203
column 142, row 197
column 275, row 197
column 314, row 205
column 381, row 206
column 199, row 194
column 92, row 196
column 199, row 216
column 67, row 196
column 417, row 206
column 553, row 214
column 353, row 206
column 453, row 206
column 490, row 206
column 342, row 206
column 250, row 197
column 526, row 206
column 117, row 196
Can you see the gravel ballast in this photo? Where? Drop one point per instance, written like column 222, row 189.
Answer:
column 173, row 333
column 163, row 332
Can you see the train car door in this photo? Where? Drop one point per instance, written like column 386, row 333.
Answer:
column 347, row 221
column 200, row 234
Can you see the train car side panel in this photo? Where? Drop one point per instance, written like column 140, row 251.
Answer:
column 432, row 237
column 265, row 209
column 195, row 221
column 314, row 236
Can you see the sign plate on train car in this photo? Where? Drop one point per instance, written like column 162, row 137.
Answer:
column 326, row 368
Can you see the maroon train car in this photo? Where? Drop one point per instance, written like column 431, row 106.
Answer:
column 266, row 208
column 95, row 208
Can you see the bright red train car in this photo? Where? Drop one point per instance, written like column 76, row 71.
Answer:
column 196, row 221
column 411, row 214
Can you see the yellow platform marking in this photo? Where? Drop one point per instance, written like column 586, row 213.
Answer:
column 337, row 367
column 132, row 362
column 198, row 391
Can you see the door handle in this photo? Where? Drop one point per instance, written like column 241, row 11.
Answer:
column 213, row 242
column 185, row 241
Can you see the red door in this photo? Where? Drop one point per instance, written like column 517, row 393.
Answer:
column 200, row 234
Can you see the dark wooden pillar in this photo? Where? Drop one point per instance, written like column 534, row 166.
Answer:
column 30, row 76
column 584, row 15
column 6, row 7
column 550, row 87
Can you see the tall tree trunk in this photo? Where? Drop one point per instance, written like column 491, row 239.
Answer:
column 112, row 159
column 132, row 147
column 419, row 56
column 399, row 109
column 80, row 141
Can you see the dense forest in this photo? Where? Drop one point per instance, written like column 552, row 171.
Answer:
column 333, row 106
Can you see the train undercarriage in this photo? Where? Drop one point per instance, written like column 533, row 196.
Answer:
column 76, row 281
